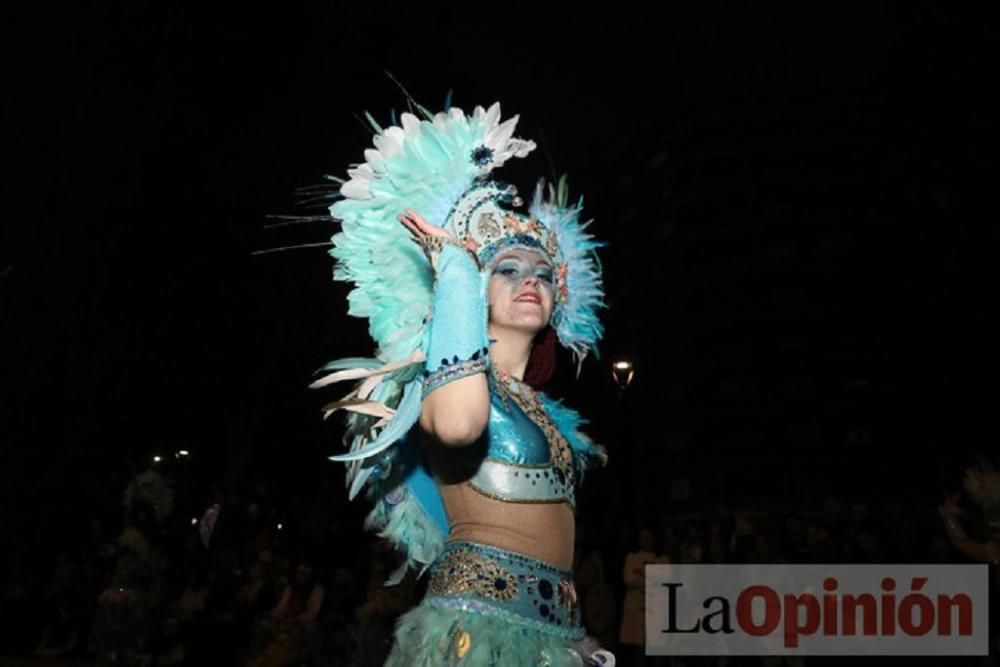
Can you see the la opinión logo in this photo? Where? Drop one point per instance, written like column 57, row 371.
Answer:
column 816, row 609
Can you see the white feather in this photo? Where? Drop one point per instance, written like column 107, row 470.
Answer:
column 493, row 115
column 411, row 124
column 365, row 407
column 375, row 161
column 497, row 137
column 368, row 385
column 357, row 189
column 415, row 357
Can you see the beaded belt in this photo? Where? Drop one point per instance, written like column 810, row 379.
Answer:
column 487, row 580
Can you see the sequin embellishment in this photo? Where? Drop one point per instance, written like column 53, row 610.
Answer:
column 527, row 400
column 464, row 571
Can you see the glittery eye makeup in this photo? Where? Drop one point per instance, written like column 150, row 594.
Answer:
column 515, row 270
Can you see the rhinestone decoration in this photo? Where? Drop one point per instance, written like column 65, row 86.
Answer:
column 454, row 369
column 463, row 571
column 483, row 579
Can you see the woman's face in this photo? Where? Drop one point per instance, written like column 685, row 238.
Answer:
column 522, row 291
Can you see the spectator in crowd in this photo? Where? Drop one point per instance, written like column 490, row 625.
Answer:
column 632, row 633
column 289, row 628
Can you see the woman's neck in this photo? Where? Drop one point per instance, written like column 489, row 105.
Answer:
column 511, row 350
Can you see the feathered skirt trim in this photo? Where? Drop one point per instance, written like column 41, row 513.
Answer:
column 430, row 636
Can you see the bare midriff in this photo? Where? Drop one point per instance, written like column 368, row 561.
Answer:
column 541, row 530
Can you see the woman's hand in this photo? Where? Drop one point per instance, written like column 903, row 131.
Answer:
column 423, row 230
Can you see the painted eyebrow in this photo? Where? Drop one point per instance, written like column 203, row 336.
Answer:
column 535, row 263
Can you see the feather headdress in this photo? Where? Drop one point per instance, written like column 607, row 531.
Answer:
column 439, row 166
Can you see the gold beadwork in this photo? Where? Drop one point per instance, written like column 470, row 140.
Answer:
column 552, row 244
column 464, row 571
column 561, row 282
column 567, row 596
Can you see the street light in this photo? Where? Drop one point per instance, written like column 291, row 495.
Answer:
column 623, row 371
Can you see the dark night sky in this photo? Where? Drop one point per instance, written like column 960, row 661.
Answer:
column 150, row 142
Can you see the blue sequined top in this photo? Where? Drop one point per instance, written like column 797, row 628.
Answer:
column 519, row 465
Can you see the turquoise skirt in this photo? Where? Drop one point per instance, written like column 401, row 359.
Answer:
column 491, row 607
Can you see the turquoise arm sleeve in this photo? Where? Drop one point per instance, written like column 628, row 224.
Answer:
column 458, row 345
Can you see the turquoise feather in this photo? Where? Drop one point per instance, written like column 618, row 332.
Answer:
column 406, row 416
column 350, row 362
column 586, row 454
column 426, row 636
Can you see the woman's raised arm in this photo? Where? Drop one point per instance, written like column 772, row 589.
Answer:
column 456, row 400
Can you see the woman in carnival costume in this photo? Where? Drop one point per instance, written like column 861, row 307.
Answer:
column 471, row 470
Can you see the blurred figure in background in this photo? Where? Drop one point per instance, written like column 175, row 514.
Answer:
column 632, row 633
column 285, row 635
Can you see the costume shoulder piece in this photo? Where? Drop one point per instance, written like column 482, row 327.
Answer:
column 438, row 165
column 586, row 453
